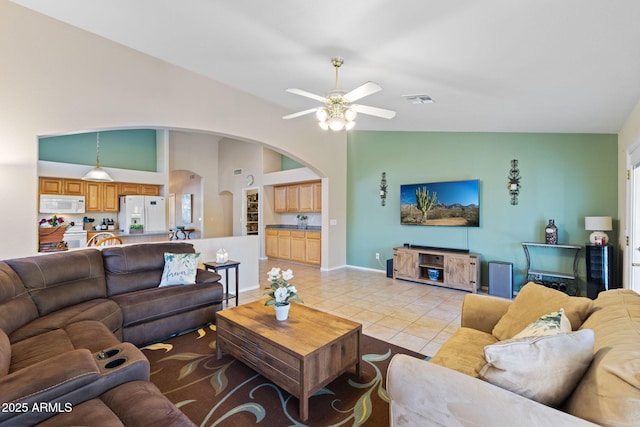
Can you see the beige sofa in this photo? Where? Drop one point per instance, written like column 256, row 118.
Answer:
column 448, row 390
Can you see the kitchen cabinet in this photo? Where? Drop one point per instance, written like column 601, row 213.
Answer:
column 271, row 243
column 132, row 189
column 313, row 247
column 301, row 197
column 293, row 193
column 101, row 197
column 284, row 244
column 70, row 187
column 73, row 187
column 298, row 246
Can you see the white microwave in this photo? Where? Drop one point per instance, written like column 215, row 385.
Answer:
column 58, row 204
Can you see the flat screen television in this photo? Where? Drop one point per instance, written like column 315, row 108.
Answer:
column 452, row 204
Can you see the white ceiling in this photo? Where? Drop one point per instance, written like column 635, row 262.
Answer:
column 490, row 65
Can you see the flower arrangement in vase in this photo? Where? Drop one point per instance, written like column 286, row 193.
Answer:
column 281, row 292
column 54, row 221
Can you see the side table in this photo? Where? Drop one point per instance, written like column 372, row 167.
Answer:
column 216, row 266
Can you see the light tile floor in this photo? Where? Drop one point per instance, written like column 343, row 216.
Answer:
column 411, row 315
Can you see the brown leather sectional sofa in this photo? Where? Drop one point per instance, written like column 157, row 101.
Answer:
column 69, row 326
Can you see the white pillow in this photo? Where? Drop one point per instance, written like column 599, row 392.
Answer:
column 549, row 324
column 545, row 369
column 179, row 269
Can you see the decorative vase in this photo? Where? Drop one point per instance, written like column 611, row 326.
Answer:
column 282, row 311
column 551, row 233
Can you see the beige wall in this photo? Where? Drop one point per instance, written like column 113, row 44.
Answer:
column 628, row 139
column 59, row 79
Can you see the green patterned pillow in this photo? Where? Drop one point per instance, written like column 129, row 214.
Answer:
column 179, row 269
column 549, row 324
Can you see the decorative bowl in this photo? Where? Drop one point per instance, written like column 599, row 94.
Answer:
column 433, row 273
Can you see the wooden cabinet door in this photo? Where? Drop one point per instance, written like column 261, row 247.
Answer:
column 109, row 197
column 460, row 272
column 298, row 246
column 271, row 243
column 73, row 187
column 149, row 190
column 93, row 197
column 51, row 186
column 313, row 247
column 305, row 197
column 405, row 264
column 280, row 199
column 128, row 189
column 284, row 244
column 293, row 191
column 317, row 196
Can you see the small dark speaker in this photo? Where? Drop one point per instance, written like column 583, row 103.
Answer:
column 390, row 267
column 501, row 279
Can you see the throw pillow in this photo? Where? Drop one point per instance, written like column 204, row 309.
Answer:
column 545, row 369
column 549, row 324
column 179, row 269
column 533, row 301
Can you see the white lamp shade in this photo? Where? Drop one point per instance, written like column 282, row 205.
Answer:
column 598, row 223
column 97, row 174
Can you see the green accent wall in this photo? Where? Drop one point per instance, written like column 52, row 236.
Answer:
column 565, row 177
column 133, row 149
column 288, row 163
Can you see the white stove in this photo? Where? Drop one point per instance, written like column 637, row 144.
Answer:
column 75, row 237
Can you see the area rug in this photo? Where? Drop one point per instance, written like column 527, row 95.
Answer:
column 226, row 392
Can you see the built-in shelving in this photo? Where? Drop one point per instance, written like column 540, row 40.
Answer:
column 253, row 218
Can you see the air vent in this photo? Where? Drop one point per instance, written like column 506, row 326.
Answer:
column 419, row 99
column 237, row 171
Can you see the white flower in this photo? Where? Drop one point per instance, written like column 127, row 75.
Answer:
column 281, row 295
column 287, row 275
column 273, row 274
column 292, row 289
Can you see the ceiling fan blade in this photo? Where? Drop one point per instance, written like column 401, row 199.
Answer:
column 374, row 111
column 366, row 89
column 301, row 113
column 307, row 94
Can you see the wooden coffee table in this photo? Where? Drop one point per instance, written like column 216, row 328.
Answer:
column 301, row 354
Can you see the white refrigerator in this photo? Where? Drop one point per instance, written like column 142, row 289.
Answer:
column 150, row 211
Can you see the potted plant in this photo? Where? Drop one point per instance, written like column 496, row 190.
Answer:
column 302, row 221
column 136, row 229
column 281, row 292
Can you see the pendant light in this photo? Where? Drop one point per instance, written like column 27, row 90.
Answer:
column 97, row 174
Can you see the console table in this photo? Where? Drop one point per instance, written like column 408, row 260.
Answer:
column 215, row 266
column 537, row 275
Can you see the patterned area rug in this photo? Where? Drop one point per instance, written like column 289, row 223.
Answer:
column 226, row 392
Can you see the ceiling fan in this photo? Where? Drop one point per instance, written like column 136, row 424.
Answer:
column 338, row 111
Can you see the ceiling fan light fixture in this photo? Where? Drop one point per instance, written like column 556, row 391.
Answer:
column 350, row 114
column 336, row 123
column 97, row 174
column 323, row 125
column 350, row 125
column 322, row 114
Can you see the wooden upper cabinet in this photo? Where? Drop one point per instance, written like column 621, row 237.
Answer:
column 149, row 190
column 73, row 187
column 317, row 196
column 93, row 197
column 109, row 197
column 131, row 189
column 128, row 189
column 51, row 186
column 305, row 197
column 293, row 192
column 280, row 199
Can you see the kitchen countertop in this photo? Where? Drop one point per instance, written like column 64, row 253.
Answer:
column 293, row 227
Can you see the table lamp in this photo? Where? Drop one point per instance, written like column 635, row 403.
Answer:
column 598, row 224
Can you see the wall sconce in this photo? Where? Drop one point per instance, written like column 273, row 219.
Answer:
column 514, row 182
column 383, row 189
